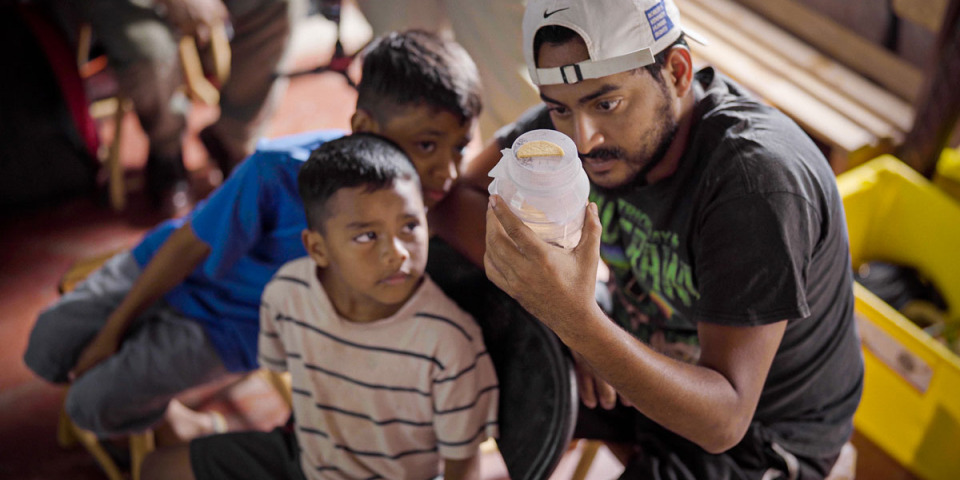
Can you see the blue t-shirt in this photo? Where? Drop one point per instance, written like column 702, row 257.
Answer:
column 252, row 224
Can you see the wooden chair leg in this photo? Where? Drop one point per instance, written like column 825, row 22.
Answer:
column 116, row 182
column 587, row 454
column 91, row 443
column 280, row 382
column 140, row 445
column 65, row 436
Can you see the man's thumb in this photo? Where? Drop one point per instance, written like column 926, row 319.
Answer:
column 590, row 234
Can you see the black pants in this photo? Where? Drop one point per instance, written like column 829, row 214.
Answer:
column 665, row 455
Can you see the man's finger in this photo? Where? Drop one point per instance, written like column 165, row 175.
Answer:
column 500, row 247
column 585, row 385
column 493, row 272
column 589, row 244
column 606, row 394
column 512, row 225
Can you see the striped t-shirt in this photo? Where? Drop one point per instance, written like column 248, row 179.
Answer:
column 386, row 399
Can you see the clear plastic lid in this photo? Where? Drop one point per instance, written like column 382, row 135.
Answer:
column 552, row 186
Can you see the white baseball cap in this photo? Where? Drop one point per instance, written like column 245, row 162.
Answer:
column 620, row 35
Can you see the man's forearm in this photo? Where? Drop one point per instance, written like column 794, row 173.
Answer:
column 694, row 401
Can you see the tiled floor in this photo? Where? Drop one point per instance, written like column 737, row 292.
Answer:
column 38, row 245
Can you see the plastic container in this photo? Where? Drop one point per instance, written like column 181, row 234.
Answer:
column 548, row 192
column 911, row 397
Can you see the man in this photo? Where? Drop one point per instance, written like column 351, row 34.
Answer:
column 730, row 341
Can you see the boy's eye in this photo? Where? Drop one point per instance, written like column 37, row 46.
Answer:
column 411, row 226
column 365, row 237
column 607, row 105
column 427, row 147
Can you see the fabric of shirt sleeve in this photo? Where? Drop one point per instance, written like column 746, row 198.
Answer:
column 232, row 219
column 465, row 397
column 752, row 259
column 271, row 352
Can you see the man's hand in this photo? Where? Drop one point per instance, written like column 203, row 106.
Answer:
column 103, row 346
column 195, row 17
column 554, row 284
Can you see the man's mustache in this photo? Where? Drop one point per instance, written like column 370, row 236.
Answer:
column 602, row 154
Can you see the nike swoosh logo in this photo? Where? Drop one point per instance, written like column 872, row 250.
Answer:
column 547, row 14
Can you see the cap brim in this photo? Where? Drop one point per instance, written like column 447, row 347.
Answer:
column 695, row 36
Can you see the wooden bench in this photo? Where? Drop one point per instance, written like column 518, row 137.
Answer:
column 854, row 97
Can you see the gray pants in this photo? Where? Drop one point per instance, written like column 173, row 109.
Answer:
column 162, row 355
column 142, row 49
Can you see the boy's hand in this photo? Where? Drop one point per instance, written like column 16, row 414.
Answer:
column 103, row 346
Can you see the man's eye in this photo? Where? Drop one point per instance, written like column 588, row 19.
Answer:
column 427, row 147
column 365, row 237
column 558, row 111
column 607, row 105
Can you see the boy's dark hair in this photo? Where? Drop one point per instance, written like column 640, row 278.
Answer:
column 415, row 68
column 557, row 35
column 354, row 160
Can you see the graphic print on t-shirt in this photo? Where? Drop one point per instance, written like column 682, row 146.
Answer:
column 653, row 281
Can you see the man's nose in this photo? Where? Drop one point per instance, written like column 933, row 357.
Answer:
column 586, row 133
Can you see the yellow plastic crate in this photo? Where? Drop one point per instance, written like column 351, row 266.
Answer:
column 947, row 176
column 911, row 400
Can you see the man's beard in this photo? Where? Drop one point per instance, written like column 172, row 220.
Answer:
column 666, row 134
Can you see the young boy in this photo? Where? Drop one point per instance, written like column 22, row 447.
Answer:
column 388, row 374
column 181, row 308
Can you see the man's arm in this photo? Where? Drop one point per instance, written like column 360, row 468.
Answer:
column 710, row 403
column 179, row 255
column 466, row 469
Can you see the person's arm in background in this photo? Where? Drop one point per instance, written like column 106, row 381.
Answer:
column 179, row 255
column 710, row 403
column 466, row 469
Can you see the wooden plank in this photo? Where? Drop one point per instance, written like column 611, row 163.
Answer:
column 871, row 60
column 926, row 13
column 819, row 120
column 851, row 84
column 777, row 61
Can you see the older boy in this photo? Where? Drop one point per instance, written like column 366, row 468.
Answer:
column 181, row 308
column 388, row 374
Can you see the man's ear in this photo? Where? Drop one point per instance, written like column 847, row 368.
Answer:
column 363, row 121
column 679, row 69
column 316, row 247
